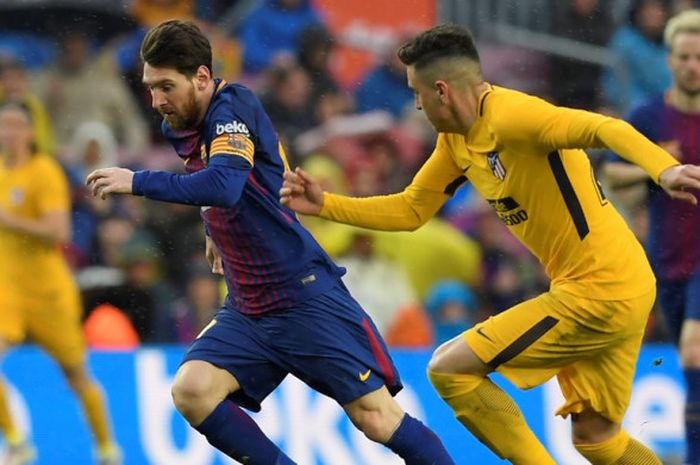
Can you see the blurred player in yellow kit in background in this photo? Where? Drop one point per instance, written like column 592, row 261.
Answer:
column 523, row 155
column 39, row 299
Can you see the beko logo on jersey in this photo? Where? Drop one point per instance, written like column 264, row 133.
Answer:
column 232, row 128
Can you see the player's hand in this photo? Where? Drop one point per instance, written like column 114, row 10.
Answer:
column 107, row 181
column 213, row 257
column 676, row 181
column 301, row 193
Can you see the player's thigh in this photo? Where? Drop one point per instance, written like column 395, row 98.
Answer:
column 198, row 378
column 456, row 356
column 534, row 340
column 601, row 381
column 237, row 345
column 672, row 297
column 331, row 344
column 689, row 345
column 12, row 318
column 54, row 323
column 521, row 342
column 691, row 310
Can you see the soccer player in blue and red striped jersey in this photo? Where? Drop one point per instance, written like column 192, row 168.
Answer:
column 673, row 121
column 287, row 310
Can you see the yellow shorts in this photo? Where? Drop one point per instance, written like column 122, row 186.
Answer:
column 590, row 345
column 52, row 321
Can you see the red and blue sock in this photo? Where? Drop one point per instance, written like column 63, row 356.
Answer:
column 233, row 432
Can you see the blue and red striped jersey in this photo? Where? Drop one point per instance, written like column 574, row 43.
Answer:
column 270, row 260
column 671, row 243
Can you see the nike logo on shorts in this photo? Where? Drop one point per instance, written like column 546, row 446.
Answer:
column 480, row 332
column 364, row 376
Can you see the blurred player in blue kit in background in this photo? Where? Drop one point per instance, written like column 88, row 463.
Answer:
column 287, row 310
column 672, row 120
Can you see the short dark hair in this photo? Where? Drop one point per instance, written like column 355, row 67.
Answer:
column 442, row 41
column 179, row 45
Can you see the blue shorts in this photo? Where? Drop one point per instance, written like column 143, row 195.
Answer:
column 328, row 342
column 680, row 301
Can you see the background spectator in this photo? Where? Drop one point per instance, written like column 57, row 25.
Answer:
column 14, row 87
column 452, row 308
column 272, row 31
column 384, row 87
column 79, row 88
column 639, row 47
column 575, row 83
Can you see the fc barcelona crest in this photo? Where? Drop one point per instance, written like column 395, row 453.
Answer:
column 237, row 141
column 496, row 166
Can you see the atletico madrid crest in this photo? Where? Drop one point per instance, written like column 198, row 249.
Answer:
column 496, row 166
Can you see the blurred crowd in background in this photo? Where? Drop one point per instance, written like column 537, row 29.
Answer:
column 82, row 84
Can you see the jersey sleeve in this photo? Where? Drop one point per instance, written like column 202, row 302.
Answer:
column 434, row 183
column 53, row 194
column 642, row 118
column 230, row 136
column 551, row 128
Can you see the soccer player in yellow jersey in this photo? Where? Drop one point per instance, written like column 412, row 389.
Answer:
column 38, row 296
column 524, row 156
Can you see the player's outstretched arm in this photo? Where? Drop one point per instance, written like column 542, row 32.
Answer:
column 301, row 193
column 677, row 179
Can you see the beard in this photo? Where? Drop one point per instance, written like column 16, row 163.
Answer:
column 690, row 91
column 185, row 118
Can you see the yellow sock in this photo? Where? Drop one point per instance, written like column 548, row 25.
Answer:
column 620, row 449
column 7, row 424
column 96, row 413
column 492, row 416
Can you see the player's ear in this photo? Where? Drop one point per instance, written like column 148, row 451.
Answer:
column 202, row 77
column 442, row 90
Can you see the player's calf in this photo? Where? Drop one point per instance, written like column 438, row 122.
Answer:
column 589, row 427
column 376, row 414
column 382, row 420
column 619, row 449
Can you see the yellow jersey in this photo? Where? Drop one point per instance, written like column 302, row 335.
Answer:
column 30, row 266
column 524, row 156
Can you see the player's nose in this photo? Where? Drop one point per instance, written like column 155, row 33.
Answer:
column 157, row 100
column 418, row 103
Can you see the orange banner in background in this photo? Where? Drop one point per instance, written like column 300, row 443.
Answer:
column 365, row 28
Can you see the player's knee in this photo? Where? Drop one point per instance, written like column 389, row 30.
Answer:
column 592, row 428
column 438, row 362
column 690, row 354
column 190, row 392
column 5, row 345
column 77, row 378
column 453, row 385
